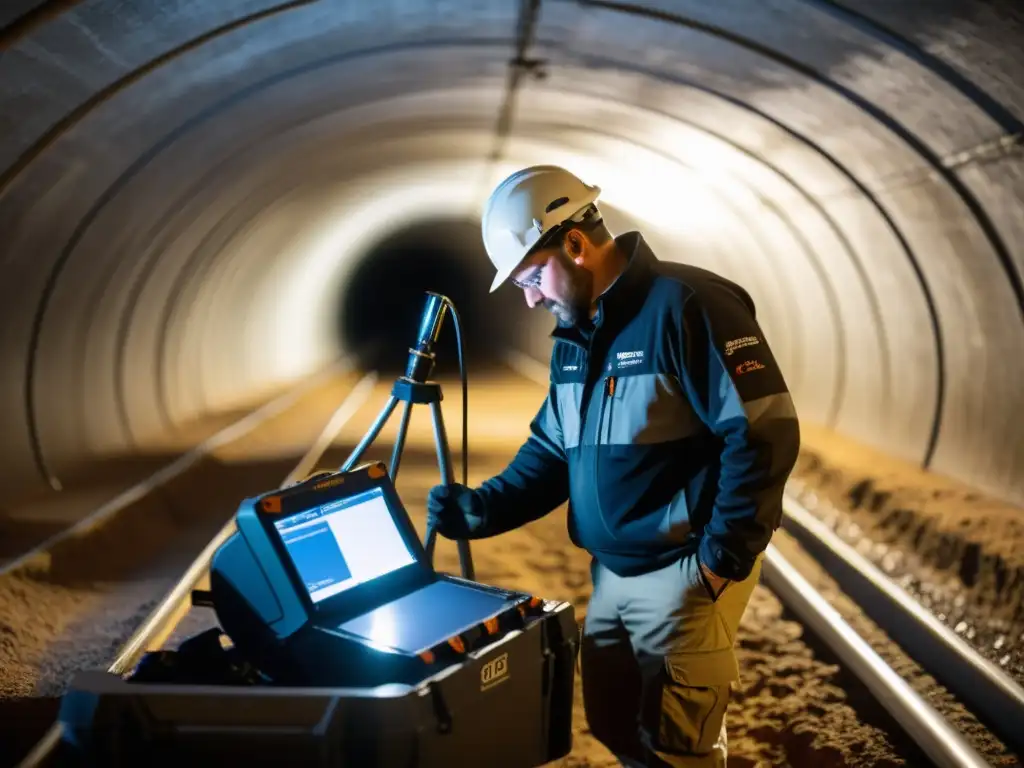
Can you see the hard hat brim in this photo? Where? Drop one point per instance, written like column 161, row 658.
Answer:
column 502, row 276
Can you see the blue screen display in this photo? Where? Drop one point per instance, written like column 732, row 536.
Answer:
column 344, row 543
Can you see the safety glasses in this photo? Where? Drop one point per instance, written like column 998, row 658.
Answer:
column 532, row 280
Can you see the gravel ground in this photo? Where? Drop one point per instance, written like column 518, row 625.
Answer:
column 966, row 724
column 958, row 552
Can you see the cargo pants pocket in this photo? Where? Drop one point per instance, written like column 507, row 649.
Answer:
column 693, row 702
column 707, row 585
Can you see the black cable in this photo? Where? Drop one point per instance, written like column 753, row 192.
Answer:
column 465, row 391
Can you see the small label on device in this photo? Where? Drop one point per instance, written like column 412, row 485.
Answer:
column 324, row 484
column 494, row 672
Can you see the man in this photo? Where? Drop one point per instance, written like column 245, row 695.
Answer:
column 669, row 429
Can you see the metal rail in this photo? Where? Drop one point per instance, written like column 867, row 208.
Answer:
column 979, row 683
column 163, row 620
column 40, row 554
column 944, row 745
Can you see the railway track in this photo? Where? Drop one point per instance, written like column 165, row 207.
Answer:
column 983, row 686
column 63, row 608
column 934, row 735
column 163, row 620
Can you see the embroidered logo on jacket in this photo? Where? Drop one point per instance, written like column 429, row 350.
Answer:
column 635, row 357
column 735, row 344
column 748, row 366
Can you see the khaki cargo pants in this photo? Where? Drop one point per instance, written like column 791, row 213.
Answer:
column 657, row 664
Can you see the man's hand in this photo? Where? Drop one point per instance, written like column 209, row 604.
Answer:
column 715, row 582
column 454, row 512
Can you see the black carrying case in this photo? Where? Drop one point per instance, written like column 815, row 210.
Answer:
column 507, row 705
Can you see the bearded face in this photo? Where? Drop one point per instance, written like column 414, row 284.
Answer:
column 566, row 288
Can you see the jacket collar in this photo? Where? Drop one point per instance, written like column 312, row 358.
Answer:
column 621, row 299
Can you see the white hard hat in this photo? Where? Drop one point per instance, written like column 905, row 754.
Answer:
column 525, row 207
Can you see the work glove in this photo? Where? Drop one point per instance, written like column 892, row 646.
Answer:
column 455, row 512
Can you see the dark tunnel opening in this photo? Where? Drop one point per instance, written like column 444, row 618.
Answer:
column 382, row 303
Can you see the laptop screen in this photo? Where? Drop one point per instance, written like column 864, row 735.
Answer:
column 342, row 544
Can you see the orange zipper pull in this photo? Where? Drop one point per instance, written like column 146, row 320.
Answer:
column 610, row 387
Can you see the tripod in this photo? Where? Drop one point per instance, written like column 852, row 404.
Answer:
column 413, row 389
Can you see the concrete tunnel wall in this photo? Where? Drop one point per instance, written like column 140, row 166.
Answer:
column 185, row 188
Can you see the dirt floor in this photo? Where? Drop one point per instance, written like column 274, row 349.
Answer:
column 974, row 732
column 959, row 552
column 794, row 705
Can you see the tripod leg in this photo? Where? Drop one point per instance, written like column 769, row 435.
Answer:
column 447, row 476
column 371, row 435
column 396, row 454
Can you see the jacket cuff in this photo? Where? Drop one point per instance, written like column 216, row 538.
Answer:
column 721, row 562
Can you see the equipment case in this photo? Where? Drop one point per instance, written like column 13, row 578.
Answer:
column 510, row 704
column 484, row 677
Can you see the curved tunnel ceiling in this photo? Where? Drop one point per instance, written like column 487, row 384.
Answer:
column 186, row 189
